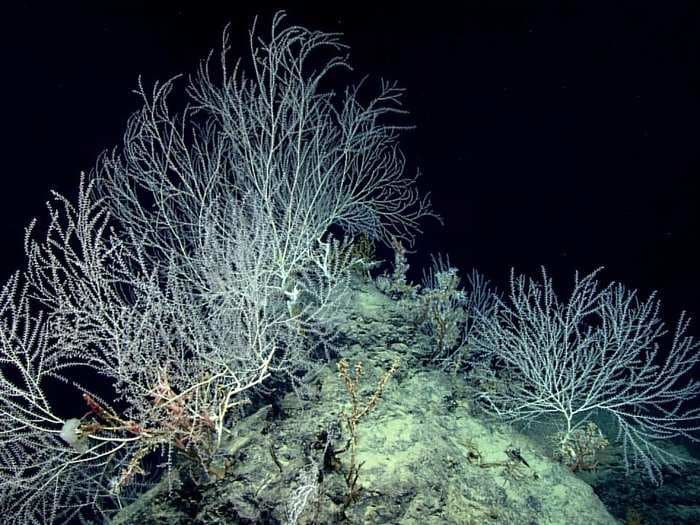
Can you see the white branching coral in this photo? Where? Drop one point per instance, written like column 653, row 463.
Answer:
column 196, row 264
column 595, row 354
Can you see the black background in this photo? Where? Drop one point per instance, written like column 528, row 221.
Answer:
column 561, row 134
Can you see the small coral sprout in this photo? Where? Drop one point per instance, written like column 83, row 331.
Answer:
column 358, row 410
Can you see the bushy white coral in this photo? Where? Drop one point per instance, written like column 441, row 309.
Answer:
column 196, row 264
column 596, row 353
